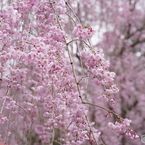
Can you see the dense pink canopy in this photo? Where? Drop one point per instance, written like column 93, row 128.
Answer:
column 72, row 72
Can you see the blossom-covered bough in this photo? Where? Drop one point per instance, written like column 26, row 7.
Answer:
column 48, row 69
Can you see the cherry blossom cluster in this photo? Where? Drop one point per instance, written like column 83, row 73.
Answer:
column 98, row 67
column 83, row 31
column 122, row 126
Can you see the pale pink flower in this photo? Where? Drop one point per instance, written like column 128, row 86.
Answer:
column 83, row 31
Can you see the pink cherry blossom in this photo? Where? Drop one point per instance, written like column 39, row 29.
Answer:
column 83, row 31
